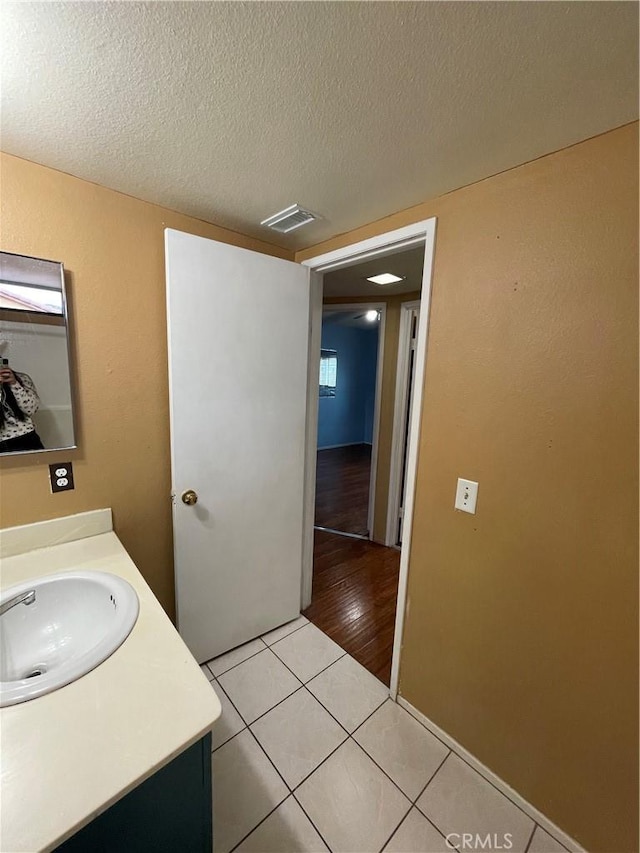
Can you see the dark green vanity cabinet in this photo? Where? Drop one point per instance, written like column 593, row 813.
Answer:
column 170, row 811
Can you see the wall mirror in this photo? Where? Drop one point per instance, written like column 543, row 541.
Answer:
column 35, row 382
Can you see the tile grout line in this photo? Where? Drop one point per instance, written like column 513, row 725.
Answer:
column 360, row 725
column 437, row 828
column 315, row 675
column 237, row 712
column 224, row 672
column 247, row 728
column 495, row 787
column 279, row 702
column 290, row 795
column 286, row 636
column 324, row 760
column 260, row 822
column 435, row 825
column 335, row 719
column 415, row 802
column 429, row 781
column 264, row 714
column 261, row 638
column 382, row 770
column 297, row 690
column 349, row 734
column 306, row 814
column 289, row 789
column 270, row 760
column 295, row 630
column 408, row 799
column 396, row 829
column 233, row 737
column 327, row 757
column 533, row 832
column 342, row 742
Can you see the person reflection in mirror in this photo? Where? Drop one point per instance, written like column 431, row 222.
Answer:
column 20, row 402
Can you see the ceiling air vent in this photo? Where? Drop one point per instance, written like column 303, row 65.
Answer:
column 289, row 219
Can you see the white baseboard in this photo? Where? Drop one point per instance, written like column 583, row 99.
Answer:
column 495, row 780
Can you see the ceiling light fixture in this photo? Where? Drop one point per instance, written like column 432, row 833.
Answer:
column 372, row 315
column 385, row 278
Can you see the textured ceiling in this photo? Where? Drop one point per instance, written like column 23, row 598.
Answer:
column 232, row 111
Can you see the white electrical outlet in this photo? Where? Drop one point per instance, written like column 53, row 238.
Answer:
column 466, row 495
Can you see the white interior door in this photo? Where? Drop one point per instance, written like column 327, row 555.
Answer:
column 238, row 329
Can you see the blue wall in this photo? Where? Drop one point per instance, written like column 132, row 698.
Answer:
column 347, row 418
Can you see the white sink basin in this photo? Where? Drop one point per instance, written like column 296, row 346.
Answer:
column 77, row 620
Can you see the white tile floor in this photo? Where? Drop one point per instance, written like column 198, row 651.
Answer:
column 311, row 755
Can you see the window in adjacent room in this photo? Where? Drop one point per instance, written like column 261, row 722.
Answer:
column 328, row 372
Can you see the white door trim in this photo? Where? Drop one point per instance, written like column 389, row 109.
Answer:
column 401, row 238
column 380, row 244
column 399, row 423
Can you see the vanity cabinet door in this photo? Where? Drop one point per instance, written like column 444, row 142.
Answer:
column 170, row 811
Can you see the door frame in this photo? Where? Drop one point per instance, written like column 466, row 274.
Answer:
column 410, row 235
column 399, row 423
column 382, row 308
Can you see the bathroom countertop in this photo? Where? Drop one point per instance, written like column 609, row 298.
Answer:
column 69, row 755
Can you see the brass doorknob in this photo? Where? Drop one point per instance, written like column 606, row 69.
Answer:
column 189, row 497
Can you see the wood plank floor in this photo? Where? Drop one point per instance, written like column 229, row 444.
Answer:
column 342, row 488
column 355, row 586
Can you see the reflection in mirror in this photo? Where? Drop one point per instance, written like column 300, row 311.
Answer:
column 36, row 410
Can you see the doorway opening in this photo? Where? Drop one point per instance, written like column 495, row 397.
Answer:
column 356, row 569
column 348, row 417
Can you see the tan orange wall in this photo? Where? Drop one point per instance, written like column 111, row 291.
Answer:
column 521, row 636
column 112, row 247
column 387, row 402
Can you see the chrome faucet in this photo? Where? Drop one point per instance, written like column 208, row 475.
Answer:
column 22, row 598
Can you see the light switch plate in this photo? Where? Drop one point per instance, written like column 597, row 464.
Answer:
column 466, row 495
